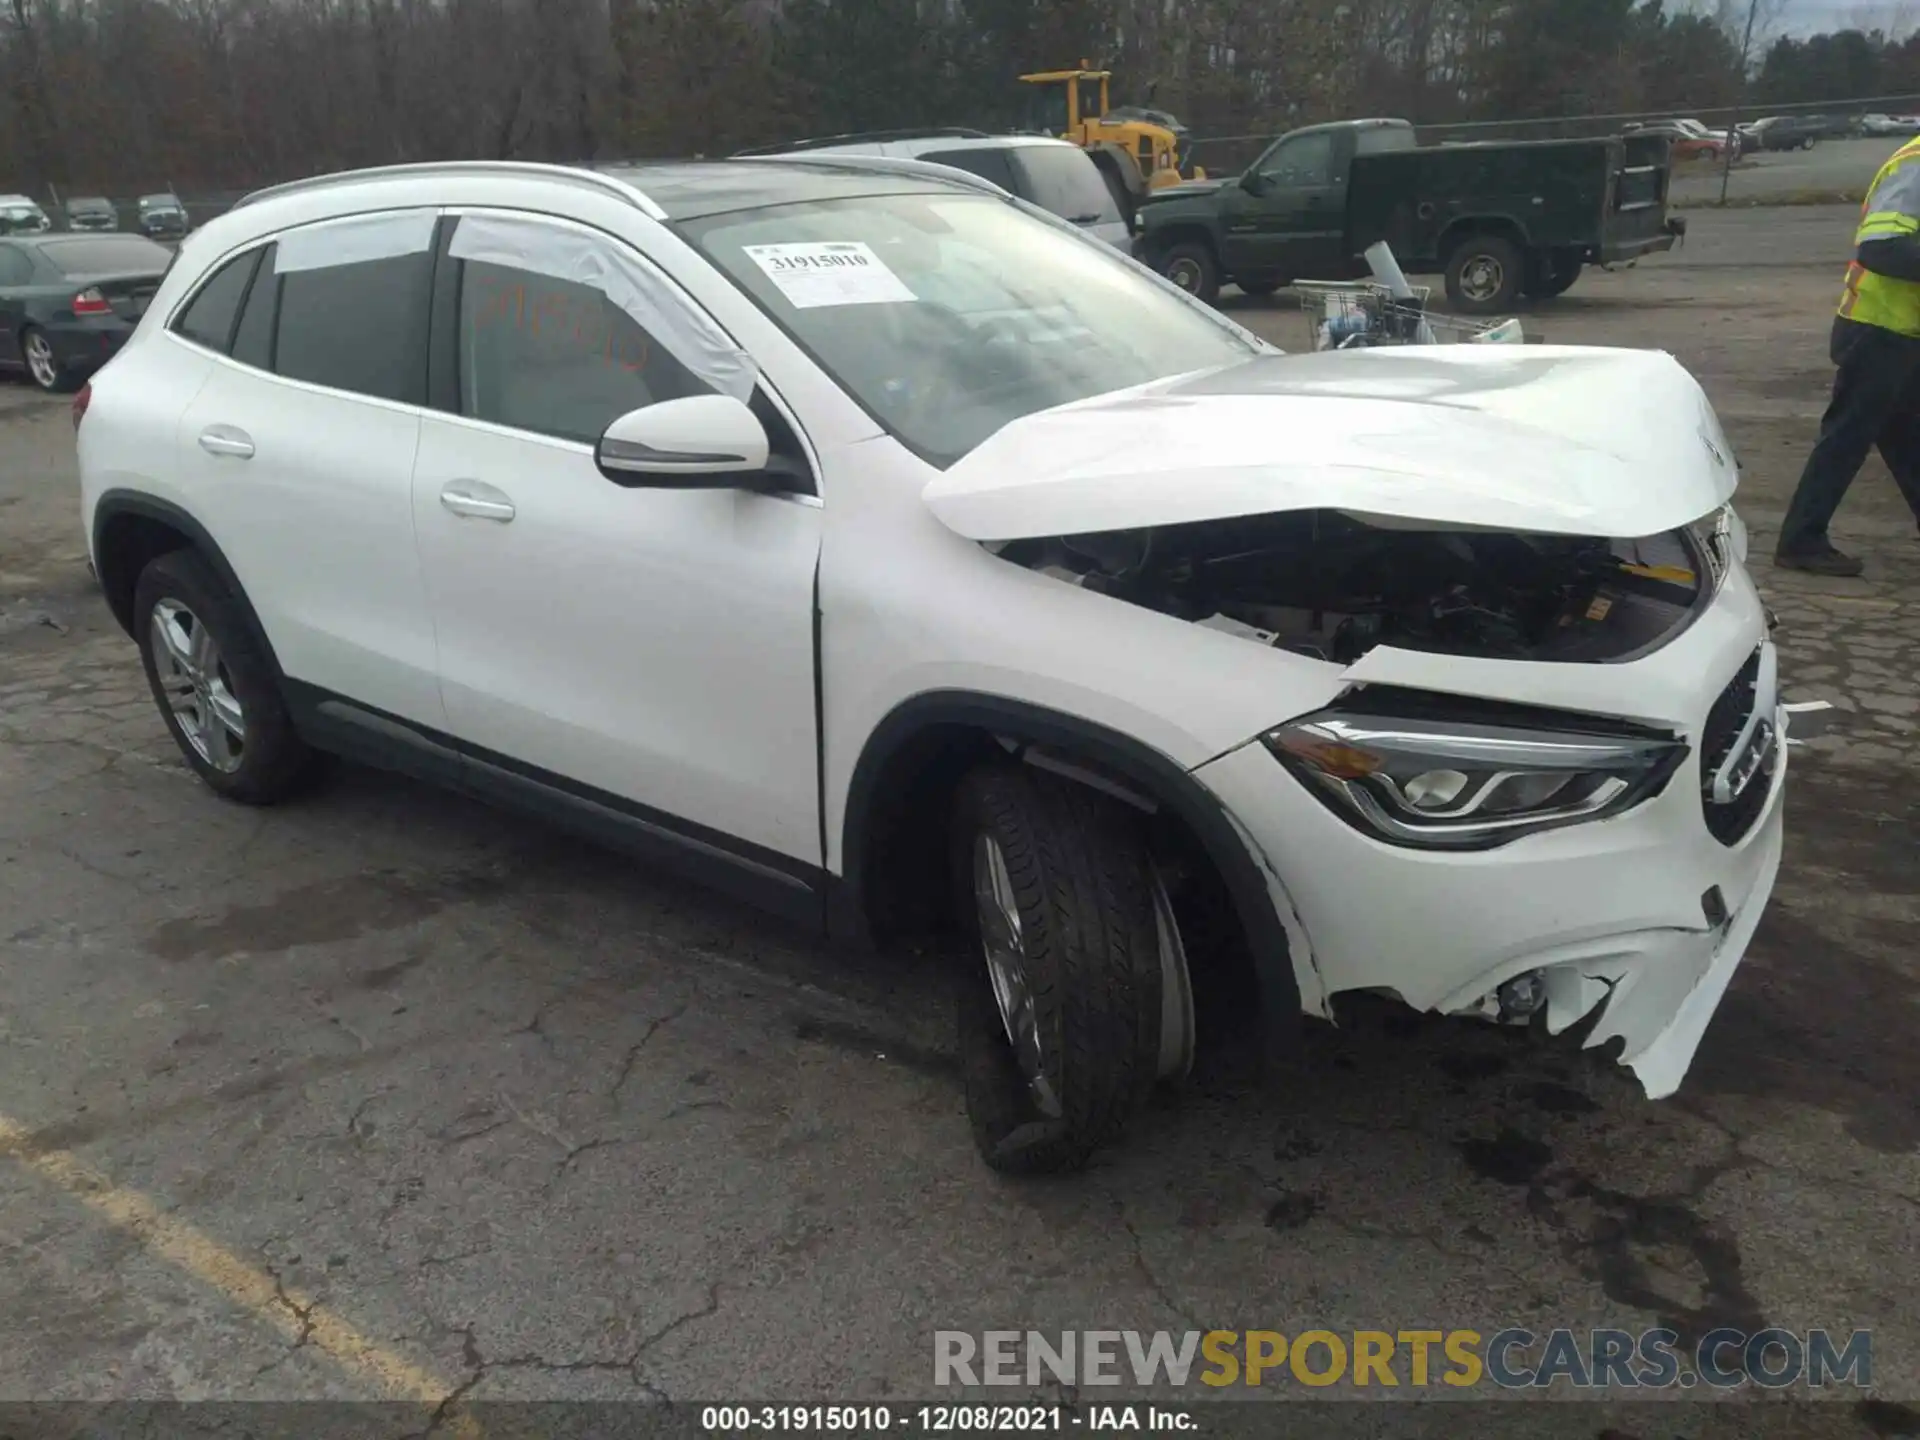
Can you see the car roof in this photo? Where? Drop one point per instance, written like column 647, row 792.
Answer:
column 19, row 200
column 73, row 200
column 673, row 189
column 909, row 145
column 165, row 195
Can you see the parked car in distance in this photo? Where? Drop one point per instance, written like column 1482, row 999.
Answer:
column 90, row 212
column 1686, row 143
column 1051, row 173
column 864, row 544
column 1781, row 132
column 1889, row 125
column 1500, row 220
column 162, row 217
column 20, row 215
column 69, row 302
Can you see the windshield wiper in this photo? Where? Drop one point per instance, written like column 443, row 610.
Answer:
column 1086, row 219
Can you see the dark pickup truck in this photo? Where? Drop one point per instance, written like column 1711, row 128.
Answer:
column 1501, row 220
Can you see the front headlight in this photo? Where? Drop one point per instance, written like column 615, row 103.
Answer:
column 1435, row 773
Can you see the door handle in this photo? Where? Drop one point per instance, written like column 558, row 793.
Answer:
column 227, row 440
column 482, row 502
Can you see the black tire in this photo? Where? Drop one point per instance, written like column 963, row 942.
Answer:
column 273, row 762
column 61, row 381
column 1485, row 273
column 1082, row 883
column 1552, row 273
column 1191, row 266
column 1259, row 288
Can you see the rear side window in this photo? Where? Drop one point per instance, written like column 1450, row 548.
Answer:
column 16, row 266
column 987, row 164
column 361, row 326
column 209, row 317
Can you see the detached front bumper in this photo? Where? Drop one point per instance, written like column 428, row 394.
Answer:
column 1637, row 921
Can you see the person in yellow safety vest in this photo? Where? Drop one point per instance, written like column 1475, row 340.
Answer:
column 1875, row 346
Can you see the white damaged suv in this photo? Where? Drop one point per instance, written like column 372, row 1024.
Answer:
column 854, row 538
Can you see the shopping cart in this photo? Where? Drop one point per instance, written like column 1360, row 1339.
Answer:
column 1357, row 314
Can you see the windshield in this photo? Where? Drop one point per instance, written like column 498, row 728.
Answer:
column 1064, row 179
column 159, row 202
column 106, row 254
column 946, row 316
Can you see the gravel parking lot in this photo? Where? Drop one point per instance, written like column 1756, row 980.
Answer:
column 383, row 1094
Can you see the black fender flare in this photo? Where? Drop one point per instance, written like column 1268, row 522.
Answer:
column 1155, row 774
column 115, row 503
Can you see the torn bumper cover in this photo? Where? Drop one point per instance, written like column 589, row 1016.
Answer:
column 1634, row 924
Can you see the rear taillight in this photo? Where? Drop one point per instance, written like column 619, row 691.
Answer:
column 80, row 402
column 91, row 302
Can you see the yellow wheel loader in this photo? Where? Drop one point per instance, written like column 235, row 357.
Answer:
column 1137, row 149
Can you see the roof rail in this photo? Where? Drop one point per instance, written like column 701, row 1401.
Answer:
column 862, row 137
column 894, row 165
column 607, row 184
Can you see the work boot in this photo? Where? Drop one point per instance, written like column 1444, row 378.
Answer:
column 1819, row 558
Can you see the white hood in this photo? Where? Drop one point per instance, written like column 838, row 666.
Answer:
column 1560, row 439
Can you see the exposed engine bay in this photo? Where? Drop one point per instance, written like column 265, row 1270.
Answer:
column 1324, row 584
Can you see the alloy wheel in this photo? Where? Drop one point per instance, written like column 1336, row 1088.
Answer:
column 1003, row 944
column 199, row 691
column 40, row 361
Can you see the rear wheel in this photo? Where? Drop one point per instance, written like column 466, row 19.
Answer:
column 1064, row 1034
column 1191, row 266
column 1484, row 274
column 43, row 366
column 1552, row 272
column 215, row 687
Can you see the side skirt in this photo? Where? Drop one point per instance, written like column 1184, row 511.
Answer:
column 765, row 879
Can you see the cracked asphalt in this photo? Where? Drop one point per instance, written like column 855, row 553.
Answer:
column 427, row 1101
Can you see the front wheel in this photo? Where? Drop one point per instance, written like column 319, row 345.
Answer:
column 1484, row 275
column 1191, row 266
column 1061, row 1036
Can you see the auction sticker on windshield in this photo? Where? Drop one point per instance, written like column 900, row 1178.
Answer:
column 829, row 272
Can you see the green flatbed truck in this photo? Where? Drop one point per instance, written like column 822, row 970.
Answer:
column 1504, row 221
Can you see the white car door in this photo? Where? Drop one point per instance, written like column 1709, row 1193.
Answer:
column 298, row 451
column 648, row 652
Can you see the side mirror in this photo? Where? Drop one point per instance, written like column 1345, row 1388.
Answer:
column 1253, row 182
column 700, row 442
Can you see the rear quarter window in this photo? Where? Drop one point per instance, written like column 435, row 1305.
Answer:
column 209, row 316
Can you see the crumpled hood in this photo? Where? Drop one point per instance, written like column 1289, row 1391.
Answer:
column 1558, row 439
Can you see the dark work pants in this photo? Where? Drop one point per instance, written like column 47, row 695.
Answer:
column 1876, row 401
